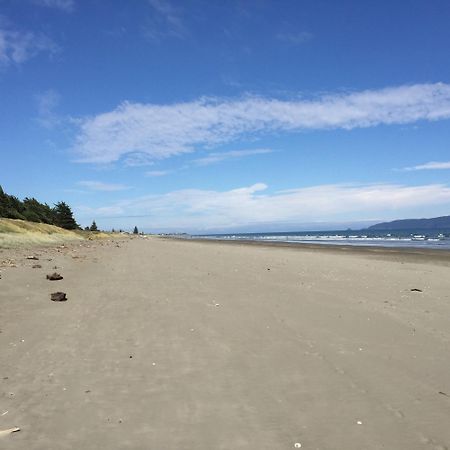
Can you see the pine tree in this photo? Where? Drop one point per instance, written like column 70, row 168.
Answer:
column 3, row 203
column 32, row 210
column 63, row 217
column 135, row 231
column 14, row 208
column 93, row 226
column 37, row 212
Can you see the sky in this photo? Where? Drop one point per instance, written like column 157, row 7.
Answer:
column 227, row 115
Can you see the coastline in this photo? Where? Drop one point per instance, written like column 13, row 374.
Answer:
column 399, row 253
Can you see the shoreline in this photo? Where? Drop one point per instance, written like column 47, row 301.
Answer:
column 410, row 253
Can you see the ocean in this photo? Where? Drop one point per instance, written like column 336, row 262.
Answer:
column 433, row 239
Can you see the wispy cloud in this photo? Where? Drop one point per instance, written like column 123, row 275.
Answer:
column 295, row 38
column 157, row 173
column 138, row 159
column 47, row 102
column 432, row 165
column 166, row 21
column 100, row 186
column 18, row 46
column 63, row 5
column 162, row 131
column 252, row 205
column 211, row 158
column 217, row 157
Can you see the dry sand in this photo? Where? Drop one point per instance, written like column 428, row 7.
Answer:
column 177, row 345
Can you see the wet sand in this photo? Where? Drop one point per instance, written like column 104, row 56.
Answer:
column 171, row 344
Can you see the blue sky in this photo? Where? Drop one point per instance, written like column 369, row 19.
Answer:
column 227, row 115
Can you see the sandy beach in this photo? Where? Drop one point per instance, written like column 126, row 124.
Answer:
column 181, row 345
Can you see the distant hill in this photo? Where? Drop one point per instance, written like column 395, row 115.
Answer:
column 436, row 223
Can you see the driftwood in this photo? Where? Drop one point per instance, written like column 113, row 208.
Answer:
column 9, row 431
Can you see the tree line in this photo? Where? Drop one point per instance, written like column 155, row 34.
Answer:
column 30, row 209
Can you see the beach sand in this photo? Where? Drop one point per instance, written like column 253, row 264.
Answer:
column 181, row 345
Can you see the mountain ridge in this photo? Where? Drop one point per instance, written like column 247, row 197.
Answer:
column 434, row 223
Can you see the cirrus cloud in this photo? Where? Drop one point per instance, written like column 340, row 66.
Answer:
column 18, row 46
column 217, row 157
column 100, row 186
column 432, row 165
column 162, row 131
column 62, row 5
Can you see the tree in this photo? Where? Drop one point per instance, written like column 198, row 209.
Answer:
column 63, row 217
column 36, row 211
column 3, row 203
column 32, row 210
column 93, row 226
column 14, row 208
column 135, row 231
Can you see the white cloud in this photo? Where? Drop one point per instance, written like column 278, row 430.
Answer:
column 157, row 173
column 166, row 21
column 202, row 209
column 432, row 165
column 18, row 46
column 47, row 102
column 63, row 5
column 100, row 186
column 138, row 159
column 211, row 158
column 295, row 38
column 162, row 131
column 216, row 157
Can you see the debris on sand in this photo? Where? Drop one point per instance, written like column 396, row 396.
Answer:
column 9, row 431
column 8, row 263
column 58, row 297
column 36, row 266
column 34, row 258
column 416, row 290
column 54, row 276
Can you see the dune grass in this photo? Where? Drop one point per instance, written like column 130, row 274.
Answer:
column 19, row 233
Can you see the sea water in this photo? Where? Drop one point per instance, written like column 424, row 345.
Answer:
column 435, row 239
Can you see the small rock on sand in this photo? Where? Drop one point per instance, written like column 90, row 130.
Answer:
column 58, row 297
column 54, row 276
